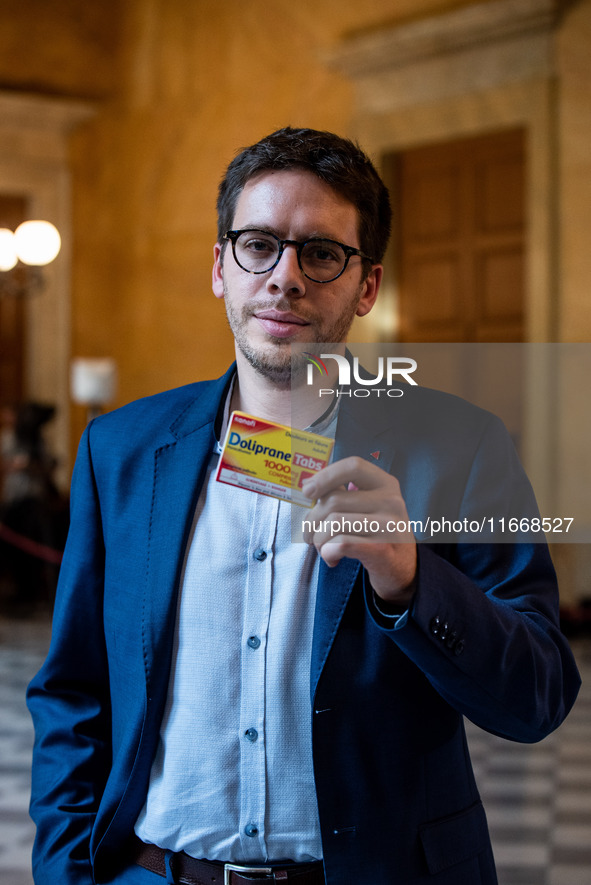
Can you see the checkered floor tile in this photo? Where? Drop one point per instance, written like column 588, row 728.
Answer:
column 538, row 796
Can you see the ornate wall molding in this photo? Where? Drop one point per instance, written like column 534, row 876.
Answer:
column 475, row 47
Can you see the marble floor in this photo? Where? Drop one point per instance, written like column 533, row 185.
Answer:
column 538, row 797
column 23, row 644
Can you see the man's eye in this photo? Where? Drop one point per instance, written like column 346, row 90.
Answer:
column 325, row 255
column 322, row 253
column 257, row 243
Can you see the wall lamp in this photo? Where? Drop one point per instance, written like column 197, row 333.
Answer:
column 22, row 255
column 93, row 383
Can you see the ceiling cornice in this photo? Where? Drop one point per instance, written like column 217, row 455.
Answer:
column 448, row 33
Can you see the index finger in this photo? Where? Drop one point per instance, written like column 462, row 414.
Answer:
column 356, row 470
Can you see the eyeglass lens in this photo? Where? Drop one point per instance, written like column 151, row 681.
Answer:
column 321, row 260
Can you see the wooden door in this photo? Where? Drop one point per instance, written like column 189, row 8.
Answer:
column 461, row 239
column 12, row 318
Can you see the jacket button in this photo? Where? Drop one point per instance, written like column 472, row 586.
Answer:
column 451, row 639
column 434, row 625
column 444, row 632
column 459, row 647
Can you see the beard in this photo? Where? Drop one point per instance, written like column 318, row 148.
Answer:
column 273, row 359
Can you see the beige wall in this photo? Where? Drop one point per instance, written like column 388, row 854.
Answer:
column 574, row 174
column 60, row 47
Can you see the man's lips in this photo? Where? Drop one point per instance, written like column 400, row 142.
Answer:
column 280, row 323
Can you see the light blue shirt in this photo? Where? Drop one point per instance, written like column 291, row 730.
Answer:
column 233, row 778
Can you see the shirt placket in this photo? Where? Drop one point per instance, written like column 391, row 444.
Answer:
column 258, row 598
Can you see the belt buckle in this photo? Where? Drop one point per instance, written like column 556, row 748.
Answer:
column 235, row 868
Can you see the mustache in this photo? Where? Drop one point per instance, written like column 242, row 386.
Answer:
column 249, row 310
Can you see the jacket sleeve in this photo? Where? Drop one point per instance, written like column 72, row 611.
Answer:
column 484, row 623
column 69, row 700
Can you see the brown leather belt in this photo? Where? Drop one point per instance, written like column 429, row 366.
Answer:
column 190, row 871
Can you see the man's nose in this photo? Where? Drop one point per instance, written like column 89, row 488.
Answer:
column 287, row 275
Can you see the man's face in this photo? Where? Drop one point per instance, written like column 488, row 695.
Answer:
column 269, row 311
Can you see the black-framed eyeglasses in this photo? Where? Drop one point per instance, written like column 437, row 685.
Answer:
column 320, row 259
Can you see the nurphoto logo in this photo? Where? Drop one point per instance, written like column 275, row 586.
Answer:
column 389, row 368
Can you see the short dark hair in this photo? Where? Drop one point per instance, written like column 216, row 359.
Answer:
column 338, row 161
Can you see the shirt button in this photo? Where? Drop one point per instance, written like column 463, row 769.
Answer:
column 251, row 830
column 253, row 642
column 259, row 554
column 251, row 734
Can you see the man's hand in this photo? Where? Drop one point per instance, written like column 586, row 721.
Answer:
column 356, row 506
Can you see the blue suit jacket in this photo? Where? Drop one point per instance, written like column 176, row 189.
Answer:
column 396, row 794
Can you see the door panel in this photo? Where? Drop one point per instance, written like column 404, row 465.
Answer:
column 461, row 242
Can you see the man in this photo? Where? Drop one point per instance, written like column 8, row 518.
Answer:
column 221, row 705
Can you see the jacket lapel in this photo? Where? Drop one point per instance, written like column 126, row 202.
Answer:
column 179, row 471
column 363, row 429
column 334, row 588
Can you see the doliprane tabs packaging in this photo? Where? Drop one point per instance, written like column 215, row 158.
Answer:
column 270, row 458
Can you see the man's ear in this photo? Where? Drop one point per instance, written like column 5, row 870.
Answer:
column 371, row 286
column 217, row 274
